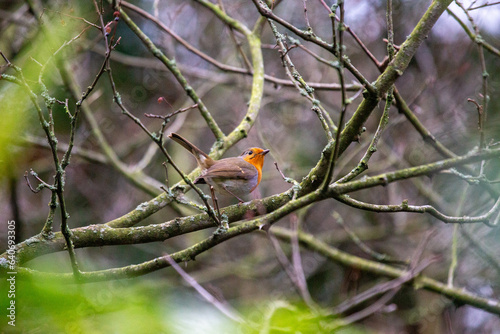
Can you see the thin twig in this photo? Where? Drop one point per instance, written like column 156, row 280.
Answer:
column 372, row 148
column 246, row 62
column 42, row 184
column 384, row 258
column 384, row 287
column 454, row 242
column 301, row 84
column 392, row 287
column 480, row 122
column 305, row 15
column 267, row 12
column 344, row 102
column 405, row 207
column 171, row 65
column 482, row 109
column 5, row 59
column 143, row 62
column 487, row 4
column 159, row 141
column 167, row 118
column 297, row 263
column 292, row 272
column 296, row 185
column 225, row 308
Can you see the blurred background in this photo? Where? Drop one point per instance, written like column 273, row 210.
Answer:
column 445, row 72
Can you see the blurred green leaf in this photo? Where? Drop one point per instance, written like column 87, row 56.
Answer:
column 18, row 115
column 111, row 307
column 14, row 104
column 282, row 316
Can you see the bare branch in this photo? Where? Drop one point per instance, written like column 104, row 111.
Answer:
column 224, row 307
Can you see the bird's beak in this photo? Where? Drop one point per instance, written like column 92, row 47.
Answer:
column 264, row 152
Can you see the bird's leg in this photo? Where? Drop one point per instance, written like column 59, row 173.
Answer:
column 216, row 203
column 230, row 192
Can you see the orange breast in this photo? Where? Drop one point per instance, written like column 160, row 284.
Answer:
column 257, row 160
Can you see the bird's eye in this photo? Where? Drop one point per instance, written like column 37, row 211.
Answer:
column 250, row 152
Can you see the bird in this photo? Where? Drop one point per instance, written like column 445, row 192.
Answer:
column 237, row 176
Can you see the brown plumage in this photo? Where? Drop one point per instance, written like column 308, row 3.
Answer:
column 236, row 176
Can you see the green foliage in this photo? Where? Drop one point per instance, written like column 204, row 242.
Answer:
column 287, row 318
column 18, row 114
column 14, row 104
column 150, row 306
column 116, row 307
column 281, row 316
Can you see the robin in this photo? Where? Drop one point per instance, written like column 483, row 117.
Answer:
column 237, row 176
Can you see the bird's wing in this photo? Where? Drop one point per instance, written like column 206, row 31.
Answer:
column 231, row 168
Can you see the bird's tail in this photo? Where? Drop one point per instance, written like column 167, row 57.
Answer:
column 203, row 159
